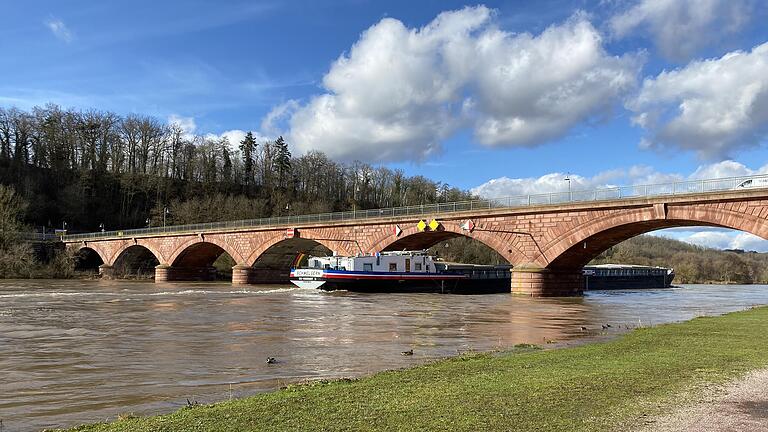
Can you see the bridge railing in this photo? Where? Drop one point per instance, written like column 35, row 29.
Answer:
column 601, row 194
column 31, row 236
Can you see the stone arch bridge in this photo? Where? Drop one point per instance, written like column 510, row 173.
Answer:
column 546, row 244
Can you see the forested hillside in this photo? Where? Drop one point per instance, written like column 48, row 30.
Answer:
column 94, row 167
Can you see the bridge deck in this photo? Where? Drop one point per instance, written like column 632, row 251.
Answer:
column 713, row 189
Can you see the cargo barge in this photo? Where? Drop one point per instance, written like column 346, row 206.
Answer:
column 619, row 276
column 407, row 271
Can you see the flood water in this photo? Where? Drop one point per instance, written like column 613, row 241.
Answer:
column 73, row 352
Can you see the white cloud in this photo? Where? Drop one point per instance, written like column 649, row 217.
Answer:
column 400, row 91
column 749, row 242
column 59, row 29
column 555, row 182
column 727, row 168
column 271, row 123
column 235, row 136
column 635, row 175
column 186, row 124
column 535, row 88
column 680, row 28
column 713, row 107
column 716, row 238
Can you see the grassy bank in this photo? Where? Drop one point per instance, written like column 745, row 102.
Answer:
column 591, row 387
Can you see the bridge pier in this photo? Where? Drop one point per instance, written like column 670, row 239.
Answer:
column 166, row 273
column 106, row 271
column 542, row 282
column 242, row 274
column 162, row 273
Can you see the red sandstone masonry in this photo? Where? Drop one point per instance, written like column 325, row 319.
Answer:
column 560, row 238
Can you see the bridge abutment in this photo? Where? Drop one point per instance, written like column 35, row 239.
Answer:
column 542, row 282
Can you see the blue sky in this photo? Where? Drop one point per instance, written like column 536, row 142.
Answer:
column 499, row 97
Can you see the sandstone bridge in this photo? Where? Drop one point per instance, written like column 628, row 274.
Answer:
column 546, row 238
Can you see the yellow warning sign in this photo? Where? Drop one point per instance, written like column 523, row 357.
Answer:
column 434, row 225
column 421, row 225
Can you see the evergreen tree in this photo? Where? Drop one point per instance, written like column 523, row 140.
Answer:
column 248, row 149
column 226, row 167
column 282, row 160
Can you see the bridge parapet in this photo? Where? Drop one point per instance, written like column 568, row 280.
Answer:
column 522, row 202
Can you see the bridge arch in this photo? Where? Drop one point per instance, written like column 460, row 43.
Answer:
column 201, row 249
column 87, row 259
column 135, row 260
column 413, row 239
column 90, row 248
column 271, row 262
column 308, row 241
column 579, row 245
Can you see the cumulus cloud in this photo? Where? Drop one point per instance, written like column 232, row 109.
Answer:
column 635, row 175
column 400, row 91
column 556, row 182
column 535, row 88
column 713, row 107
column 59, row 29
column 727, row 168
column 680, row 28
column 749, row 242
column 717, row 238
column 553, row 182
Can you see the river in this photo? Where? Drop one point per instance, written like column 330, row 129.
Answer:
column 73, row 351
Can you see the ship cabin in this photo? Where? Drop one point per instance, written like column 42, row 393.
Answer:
column 383, row 262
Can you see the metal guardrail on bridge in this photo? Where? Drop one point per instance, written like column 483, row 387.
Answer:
column 35, row 236
column 603, row 194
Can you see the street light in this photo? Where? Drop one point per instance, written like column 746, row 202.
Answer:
column 101, row 226
column 165, row 213
column 148, row 222
column 568, row 179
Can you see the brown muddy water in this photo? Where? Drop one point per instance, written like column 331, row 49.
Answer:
column 75, row 352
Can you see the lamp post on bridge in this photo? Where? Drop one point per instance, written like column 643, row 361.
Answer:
column 568, row 179
column 165, row 213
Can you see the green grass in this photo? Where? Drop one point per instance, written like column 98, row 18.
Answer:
column 592, row 387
